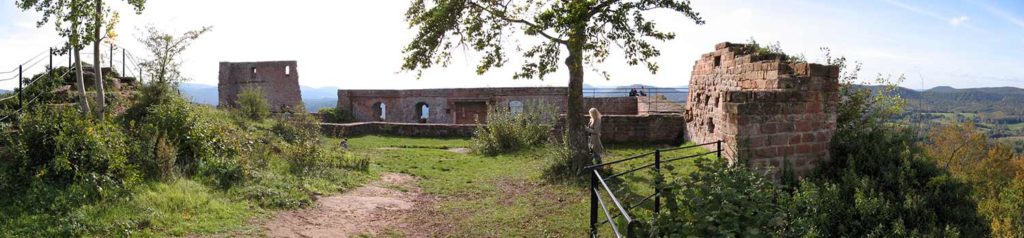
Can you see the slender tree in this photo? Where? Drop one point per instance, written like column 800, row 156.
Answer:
column 101, row 101
column 79, row 21
column 584, row 29
column 166, row 49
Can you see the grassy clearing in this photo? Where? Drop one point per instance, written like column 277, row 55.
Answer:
column 505, row 195
column 474, row 195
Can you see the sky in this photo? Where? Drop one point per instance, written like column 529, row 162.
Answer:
column 358, row 44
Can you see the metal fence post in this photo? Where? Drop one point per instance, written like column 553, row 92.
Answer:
column 593, row 202
column 21, row 91
column 111, row 62
column 631, row 228
column 49, row 71
column 718, row 152
column 657, row 181
column 123, row 69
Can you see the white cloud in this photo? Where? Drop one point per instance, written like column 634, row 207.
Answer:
column 957, row 21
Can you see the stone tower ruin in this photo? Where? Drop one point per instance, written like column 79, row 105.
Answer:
column 766, row 108
column 278, row 79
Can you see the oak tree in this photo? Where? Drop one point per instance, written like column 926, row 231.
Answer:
column 576, row 32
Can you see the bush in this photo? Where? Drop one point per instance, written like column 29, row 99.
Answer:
column 252, row 104
column 335, row 115
column 722, row 201
column 298, row 128
column 505, row 132
column 60, row 149
column 197, row 133
column 878, row 182
column 150, row 94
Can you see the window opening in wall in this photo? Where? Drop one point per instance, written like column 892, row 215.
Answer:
column 422, row 112
column 515, row 107
column 381, row 110
column 718, row 61
column 711, row 125
column 287, row 70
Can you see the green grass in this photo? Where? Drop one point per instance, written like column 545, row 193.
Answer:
column 504, row 196
column 475, row 196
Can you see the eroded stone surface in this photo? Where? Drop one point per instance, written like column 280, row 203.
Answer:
column 278, row 79
column 763, row 107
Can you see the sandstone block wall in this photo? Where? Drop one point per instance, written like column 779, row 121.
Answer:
column 652, row 128
column 278, row 79
column 639, row 129
column 397, row 129
column 443, row 104
column 765, row 108
column 612, row 105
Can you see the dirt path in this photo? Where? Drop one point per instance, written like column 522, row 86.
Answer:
column 371, row 209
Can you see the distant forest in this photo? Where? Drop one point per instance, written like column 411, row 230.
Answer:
column 999, row 111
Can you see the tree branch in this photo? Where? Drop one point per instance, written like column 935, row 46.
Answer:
column 598, row 7
column 505, row 17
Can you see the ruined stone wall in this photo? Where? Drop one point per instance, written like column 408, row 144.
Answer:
column 658, row 128
column 397, row 129
column 651, row 128
column 401, row 105
column 612, row 105
column 765, row 108
column 278, row 79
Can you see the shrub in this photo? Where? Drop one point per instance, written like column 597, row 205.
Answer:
column 298, row 128
column 197, row 132
column 335, row 115
column 722, row 201
column 58, row 148
column 150, row 94
column 507, row 132
column 253, row 104
column 878, row 182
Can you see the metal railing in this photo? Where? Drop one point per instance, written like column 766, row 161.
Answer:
column 127, row 62
column 648, row 100
column 599, row 185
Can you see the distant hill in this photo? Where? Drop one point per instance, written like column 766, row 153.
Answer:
column 673, row 94
column 3, row 91
column 314, row 98
column 1009, row 100
column 199, row 93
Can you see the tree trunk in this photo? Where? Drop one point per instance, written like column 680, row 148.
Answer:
column 83, row 100
column 101, row 103
column 574, row 125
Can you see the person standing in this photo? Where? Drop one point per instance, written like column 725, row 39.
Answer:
column 594, row 129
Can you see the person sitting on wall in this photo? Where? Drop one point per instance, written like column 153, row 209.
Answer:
column 641, row 92
column 632, row 92
column 594, row 129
